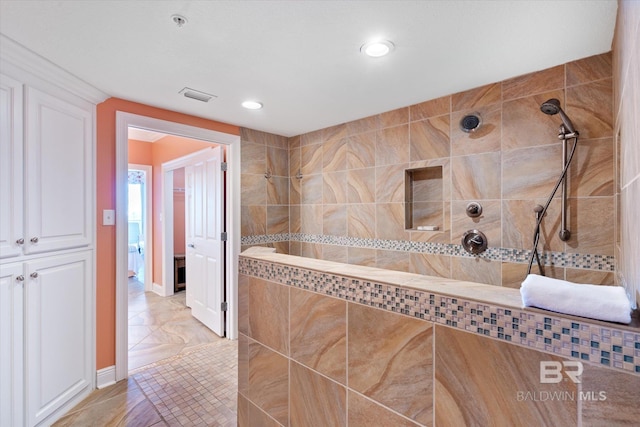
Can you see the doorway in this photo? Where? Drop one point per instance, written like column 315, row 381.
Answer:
column 139, row 215
column 232, row 221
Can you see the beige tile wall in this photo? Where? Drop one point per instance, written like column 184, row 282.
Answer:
column 627, row 134
column 353, row 175
column 326, row 361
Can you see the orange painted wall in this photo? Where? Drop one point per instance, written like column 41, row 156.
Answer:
column 105, row 199
column 140, row 152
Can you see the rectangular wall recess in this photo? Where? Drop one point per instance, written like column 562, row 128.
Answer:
column 424, row 199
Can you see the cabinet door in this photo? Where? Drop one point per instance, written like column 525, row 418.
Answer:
column 11, row 344
column 57, row 332
column 58, row 173
column 11, row 168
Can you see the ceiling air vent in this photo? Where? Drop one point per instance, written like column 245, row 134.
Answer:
column 196, row 94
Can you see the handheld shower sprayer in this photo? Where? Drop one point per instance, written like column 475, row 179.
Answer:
column 552, row 107
column 567, row 131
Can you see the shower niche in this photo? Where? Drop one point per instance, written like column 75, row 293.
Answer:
column 424, row 199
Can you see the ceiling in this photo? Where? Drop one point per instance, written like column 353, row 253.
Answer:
column 302, row 59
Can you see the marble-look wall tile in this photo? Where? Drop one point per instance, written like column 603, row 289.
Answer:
column 530, row 172
column 311, row 138
column 243, row 363
column 311, row 189
column 334, row 155
column 253, row 220
column 392, row 260
column 394, row 117
column 484, row 139
column 294, row 219
column 361, row 220
column 390, row 360
column 269, row 314
column 311, row 250
column 364, row 412
column 392, row 145
column 243, row 304
column 295, row 248
column 335, row 253
column 441, row 236
column 361, row 151
column 589, row 69
column 253, row 189
column 277, row 219
column 311, row 159
column 268, row 382
column 590, row 108
column 278, row 161
column 334, row 187
column 514, row 274
column 277, row 190
column 363, row 125
column 295, row 161
column 616, row 397
column 494, row 373
column 361, row 256
column 337, row 132
column 390, row 221
column 361, row 185
column 243, row 411
column 390, row 184
column 432, row 108
column 334, row 220
column 311, row 219
column 316, row 400
column 476, row 269
column 529, row 84
column 595, row 277
column 591, row 172
column 430, row 264
column 476, row 176
column 252, row 158
column 319, row 333
column 430, row 138
column 524, row 125
column 478, row 97
column 488, row 222
column 295, row 190
column 519, row 221
column 591, row 223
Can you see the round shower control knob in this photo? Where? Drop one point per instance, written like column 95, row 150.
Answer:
column 474, row 242
column 474, row 209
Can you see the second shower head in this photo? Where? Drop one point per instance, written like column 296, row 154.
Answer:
column 551, row 107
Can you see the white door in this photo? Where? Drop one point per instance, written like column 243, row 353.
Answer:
column 57, row 332
column 11, row 344
column 57, row 173
column 204, row 181
column 11, row 189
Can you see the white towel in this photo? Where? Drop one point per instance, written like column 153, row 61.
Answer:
column 608, row 303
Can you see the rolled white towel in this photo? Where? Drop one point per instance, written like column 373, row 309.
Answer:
column 608, row 303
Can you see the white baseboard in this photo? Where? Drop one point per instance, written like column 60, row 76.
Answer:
column 106, row 376
column 159, row 289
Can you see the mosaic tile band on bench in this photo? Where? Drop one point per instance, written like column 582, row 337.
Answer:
column 558, row 259
column 605, row 345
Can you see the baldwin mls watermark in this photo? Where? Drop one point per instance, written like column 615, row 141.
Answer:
column 554, row 372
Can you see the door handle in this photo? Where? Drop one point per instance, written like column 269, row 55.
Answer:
column 34, row 240
column 34, row 275
column 191, row 245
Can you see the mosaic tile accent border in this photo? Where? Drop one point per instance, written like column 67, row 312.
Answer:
column 559, row 259
column 603, row 345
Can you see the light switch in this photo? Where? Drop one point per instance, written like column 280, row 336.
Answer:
column 108, row 217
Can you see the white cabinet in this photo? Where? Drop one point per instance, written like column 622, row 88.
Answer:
column 44, row 329
column 54, row 199
column 11, row 345
column 11, row 167
column 47, row 361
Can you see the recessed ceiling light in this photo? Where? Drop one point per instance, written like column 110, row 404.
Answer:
column 252, row 105
column 179, row 20
column 377, row 48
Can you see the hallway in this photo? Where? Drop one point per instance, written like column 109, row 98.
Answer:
column 180, row 373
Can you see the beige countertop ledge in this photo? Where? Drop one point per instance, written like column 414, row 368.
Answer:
column 488, row 294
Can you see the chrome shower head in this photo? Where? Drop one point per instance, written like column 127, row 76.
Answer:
column 551, row 107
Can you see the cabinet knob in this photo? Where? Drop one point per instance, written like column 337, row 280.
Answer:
column 34, row 275
column 20, row 241
column 20, row 278
column 191, row 245
column 34, row 240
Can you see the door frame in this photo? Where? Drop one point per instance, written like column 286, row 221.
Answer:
column 148, row 218
column 232, row 223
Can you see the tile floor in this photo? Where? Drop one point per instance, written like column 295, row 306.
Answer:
column 180, row 373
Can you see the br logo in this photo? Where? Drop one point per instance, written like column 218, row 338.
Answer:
column 551, row 371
